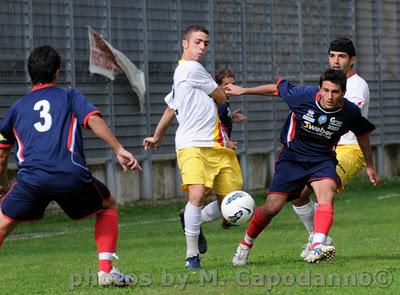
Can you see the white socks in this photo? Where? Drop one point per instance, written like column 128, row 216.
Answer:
column 306, row 214
column 210, row 212
column 192, row 228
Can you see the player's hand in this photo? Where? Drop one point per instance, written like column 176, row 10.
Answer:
column 237, row 117
column 234, row 90
column 232, row 145
column 373, row 176
column 127, row 160
column 151, row 143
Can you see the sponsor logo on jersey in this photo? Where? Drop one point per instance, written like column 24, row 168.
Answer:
column 320, row 131
column 309, row 116
column 322, row 119
column 335, row 122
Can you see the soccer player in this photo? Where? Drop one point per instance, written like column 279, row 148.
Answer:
column 45, row 127
column 204, row 161
column 318, row 118
column 341, row 56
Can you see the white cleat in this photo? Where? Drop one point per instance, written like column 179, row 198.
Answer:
column 114, row 278
column 241, row 255
column 319, row 253
column 307, row 246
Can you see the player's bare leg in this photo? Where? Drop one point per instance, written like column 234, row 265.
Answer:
column 325, row 191
column 6, row 227
column 260, row 220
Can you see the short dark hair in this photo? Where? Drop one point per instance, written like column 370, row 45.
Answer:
column 334, row 76
column 194, row 28
column 43, row 63
column 343, row 44
column 223, row 73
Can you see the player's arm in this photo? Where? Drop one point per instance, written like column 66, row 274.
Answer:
column 267, row 90
column 162, row 126
column 219, row 95
column 4, row 184
column 363, row 141
column 101, row 129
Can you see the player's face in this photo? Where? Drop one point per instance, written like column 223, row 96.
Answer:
column 225, row 81
column 331, row 96
column 195, row 47
column 341, row 61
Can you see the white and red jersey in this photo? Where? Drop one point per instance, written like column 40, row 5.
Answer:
column 357, row 92
column 196, row 111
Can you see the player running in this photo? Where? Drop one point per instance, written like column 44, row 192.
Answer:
column 45, row 127
column 318, row 118
column 341, row 56
column 203, row 159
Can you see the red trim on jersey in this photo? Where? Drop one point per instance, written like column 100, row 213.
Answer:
column 41, row 86
column 20, row 152
column 70, row 129
column 8, row 192
column 292, row 127
column 221, row 134
column 350, row 73
column 88, row 116
column 5, row 145
column 278, row 81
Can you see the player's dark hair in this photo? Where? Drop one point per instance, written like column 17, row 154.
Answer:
column 43, row 63
column 343, row 44
column 223, row 73
column 194, row 28
column 334, row 76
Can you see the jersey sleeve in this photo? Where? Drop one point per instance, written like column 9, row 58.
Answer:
column 199, row 78
column 81, row 108
column 7, row 137
column 294, row 95
column 359, row 125
column 169, row 100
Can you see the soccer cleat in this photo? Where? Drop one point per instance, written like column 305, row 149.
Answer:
column 319, row 253
column 241, row 255
column 193, row 262
column 307, row 246
column 114, row 278
column 202, row 244
column 226, row 225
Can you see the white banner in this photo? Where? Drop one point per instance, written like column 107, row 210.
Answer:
column 109, row 62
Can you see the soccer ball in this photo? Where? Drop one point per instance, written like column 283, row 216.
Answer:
column 237, row 207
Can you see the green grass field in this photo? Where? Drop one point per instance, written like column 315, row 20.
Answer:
column 58, row 256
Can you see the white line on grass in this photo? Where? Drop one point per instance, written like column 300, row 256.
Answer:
column 40, row 235
column 388, row 196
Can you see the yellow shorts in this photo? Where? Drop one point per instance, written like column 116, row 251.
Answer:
column 351, row 161
column 216, row 168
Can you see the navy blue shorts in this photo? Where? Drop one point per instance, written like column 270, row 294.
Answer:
column 24, row 204
column 291, row 177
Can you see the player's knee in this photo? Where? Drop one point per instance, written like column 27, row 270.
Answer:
column 109, row 203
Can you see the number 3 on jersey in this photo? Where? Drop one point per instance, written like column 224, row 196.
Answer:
column 44, row 107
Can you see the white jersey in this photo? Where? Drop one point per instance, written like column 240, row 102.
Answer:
column 358, row 93
column 195, row 110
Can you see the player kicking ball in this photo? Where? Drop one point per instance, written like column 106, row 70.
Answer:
column 318, row 118
column 45, row 127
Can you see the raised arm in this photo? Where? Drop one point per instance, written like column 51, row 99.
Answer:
column 363, row 141
column 267, row 90
column 101, row 129
column 162, row 126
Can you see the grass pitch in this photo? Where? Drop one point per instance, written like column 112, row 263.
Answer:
column 58, row 256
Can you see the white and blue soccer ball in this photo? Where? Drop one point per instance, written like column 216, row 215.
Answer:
column 238, row 207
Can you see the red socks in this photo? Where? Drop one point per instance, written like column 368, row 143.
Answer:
column 106, row 236
column 323, row 218
column 256, row 225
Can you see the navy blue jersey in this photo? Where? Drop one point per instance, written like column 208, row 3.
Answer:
column 224, row 112
column 45, row 126
column 310, row 133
